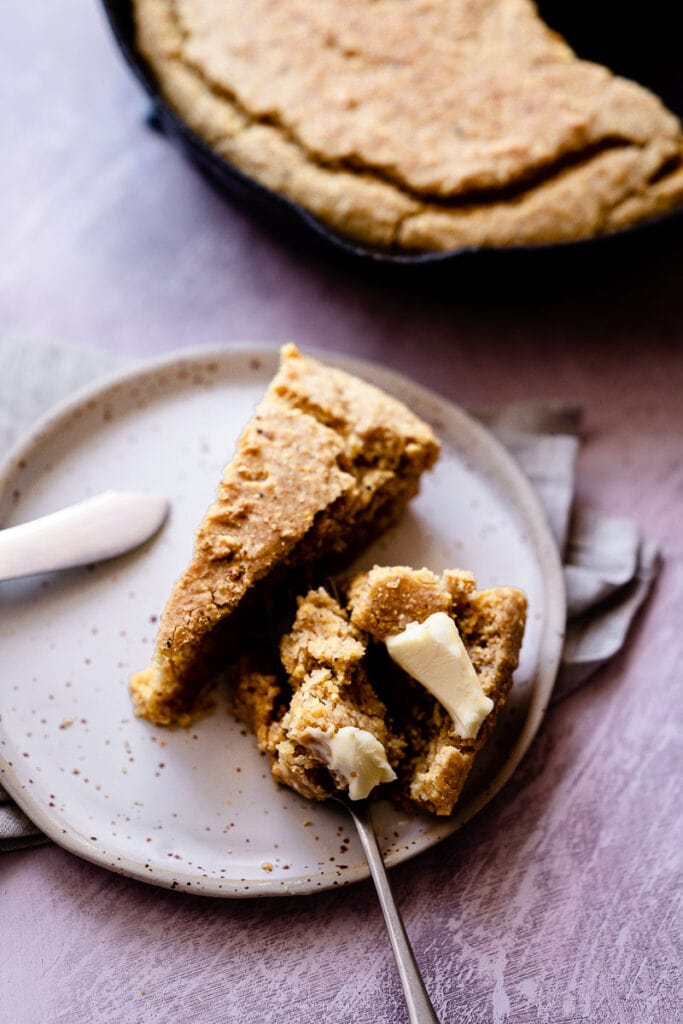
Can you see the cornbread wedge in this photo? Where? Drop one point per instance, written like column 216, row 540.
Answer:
column 326, row 463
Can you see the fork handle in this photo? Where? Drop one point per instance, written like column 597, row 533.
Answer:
column 420, row 1009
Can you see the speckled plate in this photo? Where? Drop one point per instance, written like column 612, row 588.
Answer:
column 197, row 809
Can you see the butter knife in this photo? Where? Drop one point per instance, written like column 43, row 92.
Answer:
column 100, row 527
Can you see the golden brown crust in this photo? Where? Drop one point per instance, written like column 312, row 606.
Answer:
column 384, row 600
column 476, row 126
column 492, row 627
column 327, row 461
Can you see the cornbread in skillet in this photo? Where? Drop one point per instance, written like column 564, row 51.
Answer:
column 335, row 674
column 325, row 464
column 417, row 124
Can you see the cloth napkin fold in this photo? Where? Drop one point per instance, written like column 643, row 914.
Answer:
column 609, row 567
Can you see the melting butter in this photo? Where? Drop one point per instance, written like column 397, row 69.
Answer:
column 433, row 653
column 354, row 755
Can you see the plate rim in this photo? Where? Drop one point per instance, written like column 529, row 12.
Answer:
column 550, row 648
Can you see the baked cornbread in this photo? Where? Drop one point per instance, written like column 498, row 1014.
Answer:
column 417, row 124
column 335, row 674
column 491, row 623
column 325, row 464
column 328, row 689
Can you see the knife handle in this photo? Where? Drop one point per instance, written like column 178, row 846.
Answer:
column 94, row 529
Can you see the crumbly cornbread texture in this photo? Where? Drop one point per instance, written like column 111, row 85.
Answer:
column 384, row 600
column 335, row 673
column 323, row 658
column 417, row 124
column 325, row 464
column 491, row 623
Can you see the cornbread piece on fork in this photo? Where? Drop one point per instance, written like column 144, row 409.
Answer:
column 323, row 657
column 335, row 674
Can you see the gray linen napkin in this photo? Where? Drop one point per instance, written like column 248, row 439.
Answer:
column 609, row 569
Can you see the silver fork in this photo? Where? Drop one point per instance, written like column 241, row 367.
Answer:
column 420, row 1009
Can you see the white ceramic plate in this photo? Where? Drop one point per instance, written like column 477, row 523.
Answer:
column 197, row 809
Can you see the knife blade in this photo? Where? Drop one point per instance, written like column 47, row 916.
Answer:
column 101, row 527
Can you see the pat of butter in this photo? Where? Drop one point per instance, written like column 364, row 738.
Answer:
column 355, row 755
column 433, row 653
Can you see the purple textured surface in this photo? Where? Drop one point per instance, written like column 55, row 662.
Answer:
column 561, row 902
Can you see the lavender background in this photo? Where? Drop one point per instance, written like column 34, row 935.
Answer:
column 561, row 902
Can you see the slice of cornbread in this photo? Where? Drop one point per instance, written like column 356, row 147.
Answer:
column 326, row 463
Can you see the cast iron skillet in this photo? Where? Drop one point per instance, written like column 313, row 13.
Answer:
column 633, row 43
